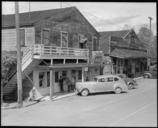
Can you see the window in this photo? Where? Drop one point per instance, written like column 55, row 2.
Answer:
column 41, row 79
column 48, row 79
column 79, row 75
column 22, row 37
column 56, row 76
column 116, row 79
column 64, row 39
column 46, row 36
column 110, row 79
column 94, row 43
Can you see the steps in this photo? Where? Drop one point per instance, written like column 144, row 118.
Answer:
column 28, row 63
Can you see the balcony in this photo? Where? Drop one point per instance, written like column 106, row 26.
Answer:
column 40, row 51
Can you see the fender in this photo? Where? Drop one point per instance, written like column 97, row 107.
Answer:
column 148, row 74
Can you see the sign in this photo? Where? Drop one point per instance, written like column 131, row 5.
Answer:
column 97, row 57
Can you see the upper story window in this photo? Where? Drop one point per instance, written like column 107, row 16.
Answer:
column 22, row 37
column 94, row 43
column 82, row 41
column 64, row 39
column 45, row 36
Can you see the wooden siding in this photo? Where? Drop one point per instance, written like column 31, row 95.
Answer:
column 9, row 38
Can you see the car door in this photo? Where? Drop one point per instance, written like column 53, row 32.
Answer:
column 109, row 84
column 103, row 85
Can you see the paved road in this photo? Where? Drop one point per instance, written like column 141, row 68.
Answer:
column 138, row 107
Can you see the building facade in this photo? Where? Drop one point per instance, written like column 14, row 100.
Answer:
column 127, row 52
column 56, row 44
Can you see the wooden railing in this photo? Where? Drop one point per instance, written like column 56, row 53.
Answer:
column 59, row 51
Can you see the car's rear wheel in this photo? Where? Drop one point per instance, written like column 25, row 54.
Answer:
column 85, row 92
column 118, row 90
column 146, row 76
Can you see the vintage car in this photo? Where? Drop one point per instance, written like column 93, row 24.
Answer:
column 130, row 82
column 152, row 73
column 102, row 83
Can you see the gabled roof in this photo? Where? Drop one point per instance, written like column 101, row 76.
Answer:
column 120, row 33
column 62, row 14
column 104, row 38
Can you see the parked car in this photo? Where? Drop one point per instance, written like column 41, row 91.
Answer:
column 130, row 82
column 101, row 83
column 152, row 73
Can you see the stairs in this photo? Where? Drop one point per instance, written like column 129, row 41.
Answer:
column 28, row 63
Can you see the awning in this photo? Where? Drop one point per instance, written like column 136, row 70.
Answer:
column 128, row 53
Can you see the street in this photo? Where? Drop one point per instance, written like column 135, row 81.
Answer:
column 138, row 107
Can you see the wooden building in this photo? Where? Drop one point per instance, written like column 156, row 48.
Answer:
column 127, row 52
column 58, row 42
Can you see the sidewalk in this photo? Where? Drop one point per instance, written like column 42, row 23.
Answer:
column 56, row 96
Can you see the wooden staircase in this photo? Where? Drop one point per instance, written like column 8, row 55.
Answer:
column 28, row 63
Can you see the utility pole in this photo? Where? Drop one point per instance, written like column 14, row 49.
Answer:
column 150, row 19
column 19, row 69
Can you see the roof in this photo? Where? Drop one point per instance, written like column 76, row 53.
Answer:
column 120, row 33
column 128, row 53
column 104, row 38
column 29, row 18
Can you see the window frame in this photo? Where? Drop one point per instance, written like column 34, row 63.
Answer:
column 94, row 37
column 42, row 35
column 61, row 38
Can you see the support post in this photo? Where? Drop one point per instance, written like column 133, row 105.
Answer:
column 51, row 84
column 19, row 69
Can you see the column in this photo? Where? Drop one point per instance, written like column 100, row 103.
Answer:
column 51, row 84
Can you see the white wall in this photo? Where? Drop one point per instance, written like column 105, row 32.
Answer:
column 9, row 38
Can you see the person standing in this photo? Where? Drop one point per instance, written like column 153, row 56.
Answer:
column 61, row 83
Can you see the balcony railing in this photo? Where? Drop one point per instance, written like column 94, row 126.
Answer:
column 52, row 51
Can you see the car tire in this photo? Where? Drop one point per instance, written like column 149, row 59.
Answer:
column 131, row 85
column 118, row 90
column 146, row 76
column 84, row 92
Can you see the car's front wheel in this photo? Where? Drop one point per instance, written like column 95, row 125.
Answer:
column 118, row 90
column 85, row 92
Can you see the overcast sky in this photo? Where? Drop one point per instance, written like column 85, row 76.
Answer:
column 104, row 16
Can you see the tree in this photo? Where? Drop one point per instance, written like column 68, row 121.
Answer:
column 145, row 35
column 8, row 61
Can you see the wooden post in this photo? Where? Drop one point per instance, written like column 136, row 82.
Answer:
column 19, row 69
column 51, row 84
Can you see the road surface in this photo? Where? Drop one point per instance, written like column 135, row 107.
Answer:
column 138, row 107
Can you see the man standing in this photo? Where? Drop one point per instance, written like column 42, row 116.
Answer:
column 61, row 83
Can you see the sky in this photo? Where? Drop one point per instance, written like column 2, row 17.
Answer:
column 104, row 16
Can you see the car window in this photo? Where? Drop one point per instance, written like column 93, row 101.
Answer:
column 109, row 79
column 116, row 79
column 101, row 80
column 95, row 79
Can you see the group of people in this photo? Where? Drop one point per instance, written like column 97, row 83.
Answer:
column 63, row 80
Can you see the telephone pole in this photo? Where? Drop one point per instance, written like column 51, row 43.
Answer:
column 150, row 19
column 19, row 69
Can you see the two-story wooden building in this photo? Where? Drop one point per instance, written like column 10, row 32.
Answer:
column 127, row 52
column 58, row 42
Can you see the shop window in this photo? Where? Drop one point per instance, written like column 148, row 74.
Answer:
column 48, row 79
column 79, row 75
column 56, row 76
column 41, row 79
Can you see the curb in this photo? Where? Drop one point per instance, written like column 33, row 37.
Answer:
column 138, row 78
column 63, row 96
